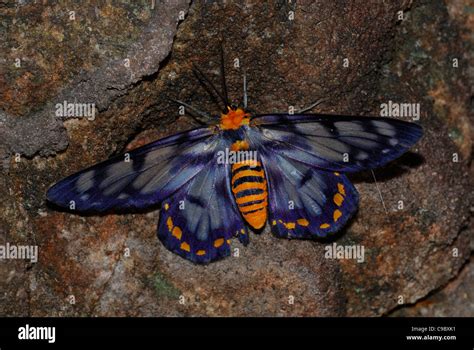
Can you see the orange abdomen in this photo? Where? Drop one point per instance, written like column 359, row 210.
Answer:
column 250, row 192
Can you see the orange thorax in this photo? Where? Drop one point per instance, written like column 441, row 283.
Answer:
column 234, row 119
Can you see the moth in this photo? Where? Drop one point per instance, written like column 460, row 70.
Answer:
column 295, row 181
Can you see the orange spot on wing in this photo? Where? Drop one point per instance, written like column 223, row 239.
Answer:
column 218, row 242
column 337, row 214
column 290, row 225
column 169, row 222
column 177, row 232
column 200, row 252
column 185, row 246
column 324, row 225
column 302, row 222
column 338, row 199
column 341, row 189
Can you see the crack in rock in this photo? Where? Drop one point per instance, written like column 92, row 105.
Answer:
column 41, row 133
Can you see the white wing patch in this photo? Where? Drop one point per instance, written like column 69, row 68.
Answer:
column 85, row 181
column 349, row 126
column 384, row 128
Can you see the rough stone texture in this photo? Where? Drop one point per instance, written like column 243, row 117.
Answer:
column 125, row 43
column 409, row 252
column 455, row 299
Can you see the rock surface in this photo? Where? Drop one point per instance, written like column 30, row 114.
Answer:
column 455, row 299
column 113, row 265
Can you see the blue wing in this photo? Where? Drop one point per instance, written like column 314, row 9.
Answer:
column 335, row 143
column 152, row 173
column 305, row 202
column 198, row 221
column 304, row 157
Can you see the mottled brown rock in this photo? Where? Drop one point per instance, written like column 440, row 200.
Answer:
column 454, row 299
column 114, row 265
column 74, row 56
column 85, row 54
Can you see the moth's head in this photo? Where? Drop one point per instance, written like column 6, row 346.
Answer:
column 234, row 118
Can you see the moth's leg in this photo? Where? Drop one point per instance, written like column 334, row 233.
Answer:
column 311, row 106
column 245, row 90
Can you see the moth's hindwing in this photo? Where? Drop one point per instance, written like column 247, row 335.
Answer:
column 199, row 220
column 305, row 202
